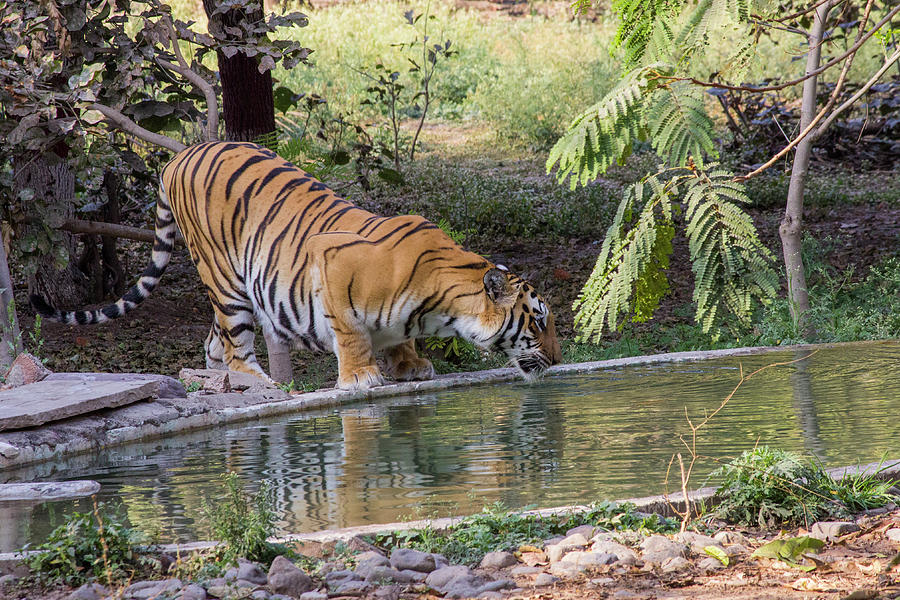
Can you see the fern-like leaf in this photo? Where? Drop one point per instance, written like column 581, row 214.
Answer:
column 637, row 21
column 605, row 133
column 732, row 268
column 629, row 275
column 679, row 126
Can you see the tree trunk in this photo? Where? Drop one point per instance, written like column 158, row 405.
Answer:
column 791, row 228
column 66, row 287
column 10, row 338
column 247, row 100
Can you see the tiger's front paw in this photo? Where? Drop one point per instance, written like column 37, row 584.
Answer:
column 362, row 378
column 417, row 369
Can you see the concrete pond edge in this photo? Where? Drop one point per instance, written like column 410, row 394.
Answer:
column 13, row 456
column 665, row 505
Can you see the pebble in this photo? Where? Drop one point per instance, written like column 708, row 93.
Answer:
column 737, row 550
column 191, row 591
column 710, row 564
column 497, row 560
column 314, row 595
column 730, row 537
column 415, row 560
column 831, row 530
column 659, row 549
column 545, row 579
column 893, row 534
column 353, row 588
column 523, row 570
column 556, row 551
column 624, row 554
column 676, row 563
column 587, row 560
column 697, row 541
column 144, row 590
column 89, row 591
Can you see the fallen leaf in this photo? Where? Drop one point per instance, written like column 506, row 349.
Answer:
column 717, row 553
column 809, row 584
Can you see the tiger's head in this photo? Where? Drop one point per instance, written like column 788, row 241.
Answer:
column 526, row 334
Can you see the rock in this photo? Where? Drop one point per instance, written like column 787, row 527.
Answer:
column 676, row 563
column 8, row 450
column 314, row 595
column 286, row 578
column 357, row 544
column 89, row 591
column 710, row 565
column 353, row 588
column 371, row 559
column 587, row 560
column 524, row 570
column 737, row 550
column 588, row 531
column 893, row 534
column 623, row 553
column 602, row 581
column 259, row 595
column 490, row 596
column 388, row 592
column 252, row 572
column 410, row 576
column 336, row 578
column 545, row 579
column 730, row 537
column 191, row 591
column 697, row 541
column 211, row 380
column 498, row 560
column 566, row 570
column 657, row 549
column 556, row 551
column 439, row 578
column 415, row 560
column 25, row 369
column 8, row 580
column 533, row 558
column 145, row 590
column 382, row 574
column 831, row 530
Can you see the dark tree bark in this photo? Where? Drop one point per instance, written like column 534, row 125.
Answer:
column 50, row 177
column 247, row 101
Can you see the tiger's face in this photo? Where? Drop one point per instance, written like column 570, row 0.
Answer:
column 528, row 334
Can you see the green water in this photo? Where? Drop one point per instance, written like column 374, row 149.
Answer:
column 565, row 440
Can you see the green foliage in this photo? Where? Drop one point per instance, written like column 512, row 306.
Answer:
column 243, row 522
column 769, row 487
column 605, row 133
column 88, row 546
column 790, row 550
column 679, row 127
column 496, row 528
column 731, row 266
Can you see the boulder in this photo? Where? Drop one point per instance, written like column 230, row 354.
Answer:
column 286, row 578
column 498, row 560
column 414, row 560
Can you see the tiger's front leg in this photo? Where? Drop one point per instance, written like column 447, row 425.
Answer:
column 403, row 363
column 356, row 360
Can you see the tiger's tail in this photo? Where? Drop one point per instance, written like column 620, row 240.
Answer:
column 166, row 229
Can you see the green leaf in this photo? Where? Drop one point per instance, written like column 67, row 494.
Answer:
column 390, row 175
column 790, row 550
column 717, row 553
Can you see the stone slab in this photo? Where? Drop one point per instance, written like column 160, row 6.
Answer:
column 166, row 387
column 48, row 490
column 47, row 401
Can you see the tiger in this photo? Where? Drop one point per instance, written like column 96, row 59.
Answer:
column 276, row 247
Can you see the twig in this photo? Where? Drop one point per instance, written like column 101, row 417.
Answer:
column 129, row 126
column 781, row 86
column 184, row 69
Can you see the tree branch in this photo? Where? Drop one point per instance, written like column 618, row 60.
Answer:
column 865, row 88
column 129, row 126
column 114, row 230
column 772, row 88
column 184, row 69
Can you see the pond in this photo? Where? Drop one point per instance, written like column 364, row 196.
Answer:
column 565, row 440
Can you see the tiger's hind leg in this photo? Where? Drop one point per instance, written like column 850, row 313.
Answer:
column 215, row 351
column 236, row 336
column 403, row 363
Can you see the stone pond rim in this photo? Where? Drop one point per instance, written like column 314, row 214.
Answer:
column 166, row 416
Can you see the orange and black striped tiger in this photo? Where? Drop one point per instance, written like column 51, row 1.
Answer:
column 275, row 246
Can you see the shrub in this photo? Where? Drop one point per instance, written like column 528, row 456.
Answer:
column 90, row 545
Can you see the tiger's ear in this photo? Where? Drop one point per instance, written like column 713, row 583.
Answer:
column 498, row 288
